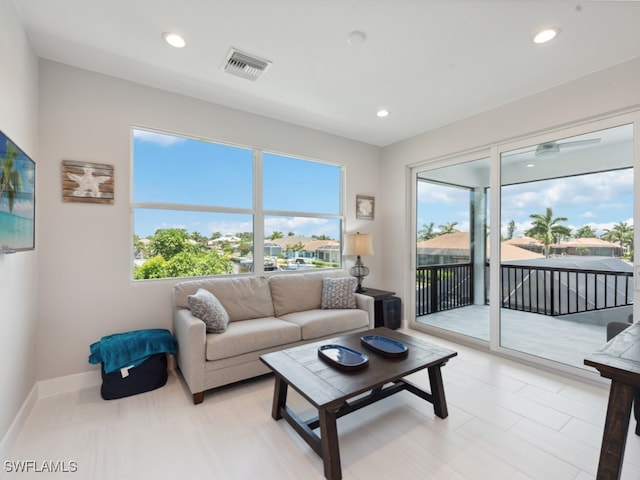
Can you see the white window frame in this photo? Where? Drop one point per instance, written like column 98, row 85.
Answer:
column 257, row 211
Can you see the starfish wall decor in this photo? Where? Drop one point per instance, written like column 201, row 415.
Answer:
column 87, row 182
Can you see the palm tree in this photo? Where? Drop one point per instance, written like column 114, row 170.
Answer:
column 585, row 232
column 427, row 232
column 621, row 233
column 547, row 229
column 449, row 227
column 10, row 179
column 511, row 228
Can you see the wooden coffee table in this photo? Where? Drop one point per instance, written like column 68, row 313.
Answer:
column 329, row 389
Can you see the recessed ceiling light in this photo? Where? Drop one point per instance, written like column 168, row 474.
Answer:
column 546, row 35
column 382, row 113
column 174, row 39
column 356, row 38
column 530, row 165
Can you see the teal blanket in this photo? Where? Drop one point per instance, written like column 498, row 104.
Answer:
column 130, row 349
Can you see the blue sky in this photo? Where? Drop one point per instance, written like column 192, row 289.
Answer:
column 600, row 200
column 170, row 169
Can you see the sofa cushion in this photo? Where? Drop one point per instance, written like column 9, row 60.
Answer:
column 242, row 297
column 339, row 292
column 298, row 292
column 318, row 323
column 207, row 307
column 245, row 336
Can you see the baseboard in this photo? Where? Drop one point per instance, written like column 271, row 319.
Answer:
column 47, row 388
column 68, row 383
column 9, row 439
column 78, row 381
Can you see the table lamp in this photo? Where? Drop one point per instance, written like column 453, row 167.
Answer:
column 358, row 244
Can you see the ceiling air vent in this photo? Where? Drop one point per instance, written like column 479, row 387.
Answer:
column 244, row 65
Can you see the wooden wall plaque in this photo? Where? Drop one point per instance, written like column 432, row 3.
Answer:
column 87, row 182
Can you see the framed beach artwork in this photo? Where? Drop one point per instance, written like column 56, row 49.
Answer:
column 365, row 207
column 17, row 198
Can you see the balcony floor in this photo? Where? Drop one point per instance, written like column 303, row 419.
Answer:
column 553, row 338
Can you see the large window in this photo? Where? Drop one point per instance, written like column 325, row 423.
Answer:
column 203, row 208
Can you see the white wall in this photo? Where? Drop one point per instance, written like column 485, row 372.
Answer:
column 605, row 92
column 19, row 271
column 85, row 269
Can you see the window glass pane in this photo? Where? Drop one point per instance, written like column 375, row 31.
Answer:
column 174, row 243
column 443, row 224
column 172, row 169
column 452, row 287
column 296, row 243
column 194, row 209
column 566, row 262
column 291, row 184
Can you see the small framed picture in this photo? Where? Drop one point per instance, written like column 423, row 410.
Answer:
column 365, row 207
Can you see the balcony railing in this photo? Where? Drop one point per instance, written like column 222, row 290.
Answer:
column 544, row 290
column 443, row 287
column 562, row 291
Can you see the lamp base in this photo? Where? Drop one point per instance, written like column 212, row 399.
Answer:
column 359, row 271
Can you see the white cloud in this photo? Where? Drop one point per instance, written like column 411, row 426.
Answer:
column 157, row 138
column 303, row 226
column 433, row 193
column 228, row 227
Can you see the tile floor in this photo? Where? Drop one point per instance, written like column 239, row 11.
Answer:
column 554, row 338
column 506, row 421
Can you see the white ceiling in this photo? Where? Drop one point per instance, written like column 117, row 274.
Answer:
column 429, row 62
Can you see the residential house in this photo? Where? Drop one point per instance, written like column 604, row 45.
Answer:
column 527, row 243
column 587, row 246
column 455, row 248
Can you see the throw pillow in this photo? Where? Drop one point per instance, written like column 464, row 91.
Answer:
column 207, row 307
column 338, row 292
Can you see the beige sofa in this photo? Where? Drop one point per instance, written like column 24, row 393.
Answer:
column 265, row 314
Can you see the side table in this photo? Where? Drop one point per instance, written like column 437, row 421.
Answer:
column 618, row 360
column 378, row 297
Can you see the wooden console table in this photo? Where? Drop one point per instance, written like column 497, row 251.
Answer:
column 618, row 360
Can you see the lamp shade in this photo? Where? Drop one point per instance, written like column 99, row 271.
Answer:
column 358, row 244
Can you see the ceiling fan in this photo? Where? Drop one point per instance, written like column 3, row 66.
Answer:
column 555, row 147
column 550, row 148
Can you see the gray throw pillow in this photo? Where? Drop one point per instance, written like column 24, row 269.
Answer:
column 338, row 292
column 207, row 307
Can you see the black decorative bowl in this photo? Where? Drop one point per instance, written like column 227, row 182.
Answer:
column 343, row 357
column 385, row 346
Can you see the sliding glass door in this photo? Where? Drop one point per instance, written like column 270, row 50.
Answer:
column 567, row 223
column 540, row 279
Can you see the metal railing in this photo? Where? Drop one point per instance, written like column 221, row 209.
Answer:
column 562, row 291
column 544, row 290
column 443, row 287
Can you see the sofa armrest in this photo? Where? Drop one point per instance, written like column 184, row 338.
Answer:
column 191, row 334
column 364, row 302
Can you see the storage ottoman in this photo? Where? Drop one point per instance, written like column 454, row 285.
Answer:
column 132, row 362
column 149, row 375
